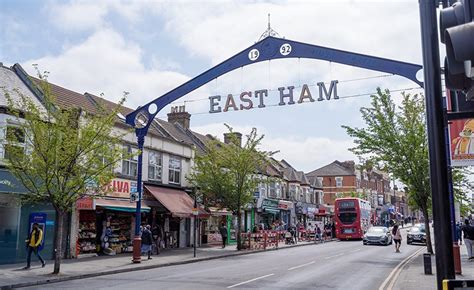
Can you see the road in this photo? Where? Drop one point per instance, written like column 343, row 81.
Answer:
column 334, row 265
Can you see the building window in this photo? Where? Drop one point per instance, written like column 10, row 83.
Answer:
column 175, row 170
column 155, row 165
column 320, row 179
column 338, row 181
column 272, row 189
column 130, row 162
column 263, row 189
column 292, row 193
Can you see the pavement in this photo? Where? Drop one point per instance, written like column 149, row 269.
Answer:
column 412, row 276
column 334, row 265
column 12, row 275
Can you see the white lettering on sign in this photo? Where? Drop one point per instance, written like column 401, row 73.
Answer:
column 287, row 96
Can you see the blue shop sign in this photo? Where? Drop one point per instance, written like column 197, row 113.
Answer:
column 9, row 184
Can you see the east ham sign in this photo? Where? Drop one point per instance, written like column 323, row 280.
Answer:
column 249, row 100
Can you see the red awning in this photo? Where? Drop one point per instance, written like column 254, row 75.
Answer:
column 176, row 201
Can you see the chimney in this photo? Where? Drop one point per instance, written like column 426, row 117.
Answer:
column 235, row 137
column 180, row 116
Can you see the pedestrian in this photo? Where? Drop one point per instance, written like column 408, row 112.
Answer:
column 33, row 243
column 459, row 233
column 223, row 231
column 318, row 234
column 397, row 237
column 468, row 232
column 157, row 238
column 147, row 241
column 402, row 223
column 333, row 230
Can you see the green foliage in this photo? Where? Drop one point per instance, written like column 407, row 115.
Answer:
column 68, row 153
column 462, row 186
column 395, row 138
column 226, row 174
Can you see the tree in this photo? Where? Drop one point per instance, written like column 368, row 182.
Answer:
column 69, row 153
column 226, row 173
column 461, row 187
column 395, row 137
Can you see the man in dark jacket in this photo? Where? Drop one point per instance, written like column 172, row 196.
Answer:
column 147, row 241
column 468, row 232
column 223, row 231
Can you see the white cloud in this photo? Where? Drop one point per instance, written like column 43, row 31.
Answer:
column 106, row 63
column 304, row 153
column 77, row 15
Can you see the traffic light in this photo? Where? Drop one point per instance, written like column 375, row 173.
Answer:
column 457, row 33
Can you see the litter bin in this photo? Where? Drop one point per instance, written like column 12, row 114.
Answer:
column 427, row 263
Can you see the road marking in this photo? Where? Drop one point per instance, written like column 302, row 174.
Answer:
column 296, row 267
column 395, row 272
column 356, row 250
column 334, row 256
column 251, row 280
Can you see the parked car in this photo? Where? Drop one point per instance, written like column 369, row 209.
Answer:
column 417, row 234
column 378, row 236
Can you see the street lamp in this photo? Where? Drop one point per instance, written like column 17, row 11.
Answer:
column 195, row 215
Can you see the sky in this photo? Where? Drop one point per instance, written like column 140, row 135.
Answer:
column 147, row 48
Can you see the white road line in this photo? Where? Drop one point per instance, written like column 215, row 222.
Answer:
column 296, row 267
column 395, row 272
column 356, row 250
column 251, row 280
column 330, row 257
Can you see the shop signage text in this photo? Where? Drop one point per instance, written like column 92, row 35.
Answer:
column 246, row 99
column 269, row 203
column 121, row 188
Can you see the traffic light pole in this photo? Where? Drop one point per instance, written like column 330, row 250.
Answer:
column 436, row 142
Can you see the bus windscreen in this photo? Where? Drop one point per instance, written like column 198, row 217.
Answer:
column 347, row 217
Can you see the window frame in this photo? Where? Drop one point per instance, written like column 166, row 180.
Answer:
column 156, row 167
column 174, row 170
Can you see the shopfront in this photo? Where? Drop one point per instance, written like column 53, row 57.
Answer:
column 107, row 225
column 211, row 234
column 175, row 210
column 269, row 213
column 285, row 212
column 15, row 221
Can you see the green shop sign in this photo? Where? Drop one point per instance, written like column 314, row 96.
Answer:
column 270, row 203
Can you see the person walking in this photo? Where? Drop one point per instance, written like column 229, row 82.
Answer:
column 223, row 231
column 397, row 237
column 147, row 241
column 35, row 238
column 459, row 233
column 318, row 234
column 156, row 232
column 468, row 232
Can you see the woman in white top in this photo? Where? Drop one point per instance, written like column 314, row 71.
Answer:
column 397, row 238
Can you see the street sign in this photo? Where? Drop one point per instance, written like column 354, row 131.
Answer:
column 195, row 211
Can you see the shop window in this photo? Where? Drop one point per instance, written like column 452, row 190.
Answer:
column 175, row 170
column 338, row 181
column 16, row 137
column 130, row 165
column 155, row 165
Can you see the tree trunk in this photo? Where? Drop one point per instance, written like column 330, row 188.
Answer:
column 58, row 234
column 429, row 246
column 239, row 222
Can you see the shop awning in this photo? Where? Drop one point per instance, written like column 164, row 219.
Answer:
column 119, row 205
column 176, row 201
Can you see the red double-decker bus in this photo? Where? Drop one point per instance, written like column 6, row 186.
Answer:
column 352, row 217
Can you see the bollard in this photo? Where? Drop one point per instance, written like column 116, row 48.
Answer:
column 427, row 263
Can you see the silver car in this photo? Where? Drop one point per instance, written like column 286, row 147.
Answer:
column 378, row 236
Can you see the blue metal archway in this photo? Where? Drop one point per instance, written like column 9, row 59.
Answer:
column 267, row 49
